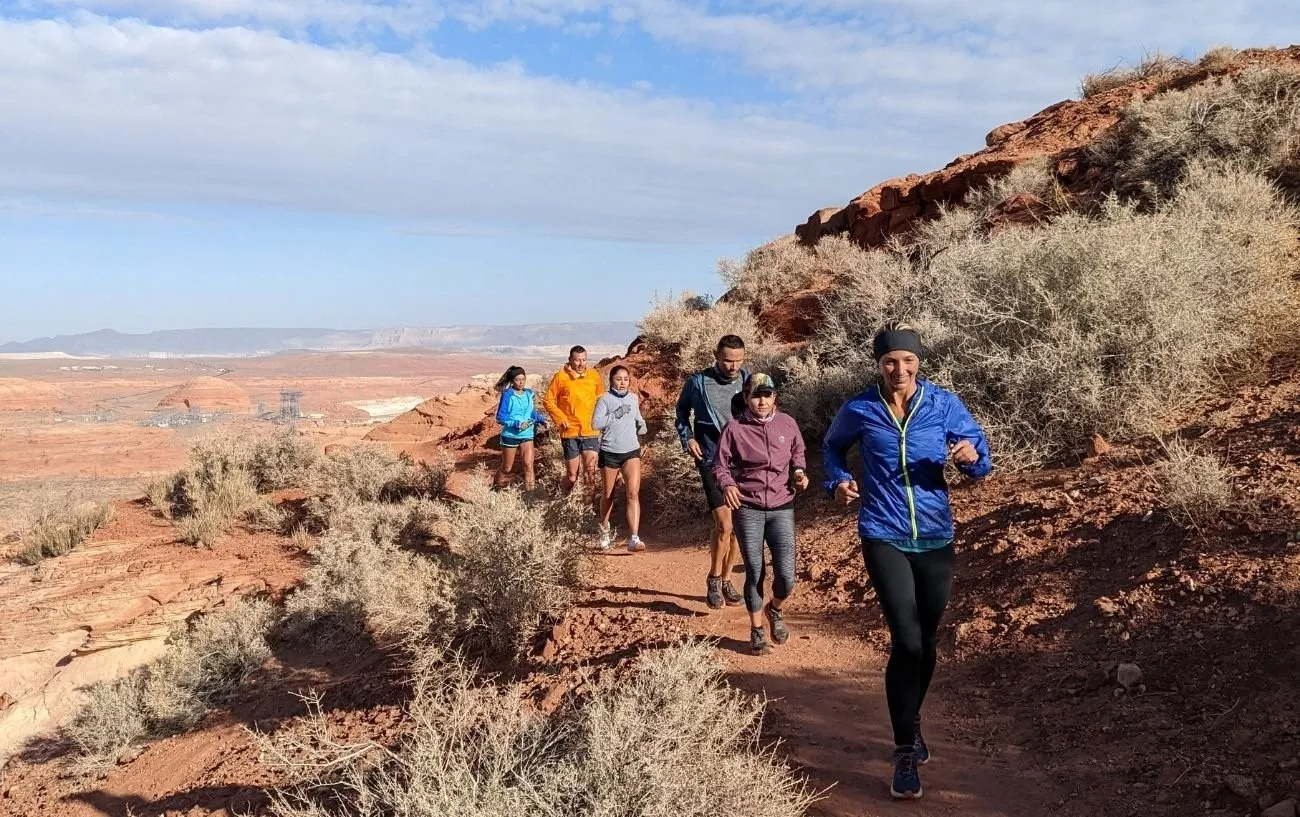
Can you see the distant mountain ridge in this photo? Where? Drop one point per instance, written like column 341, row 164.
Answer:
column 255, row 341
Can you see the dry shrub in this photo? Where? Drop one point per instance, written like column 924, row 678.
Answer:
column 1093, row 323
column 365, row 574
column 1153, row 66
column 163, row 493
column 366, row 472
column 1195, row 487
column 520, row 566
column 674, row 742
column 59, row 526
column 671, row 490
column 770, row 272
column 1218, row 58
column 1250, row 121
column 681, row 330
column 202, row 664
column 282, row 460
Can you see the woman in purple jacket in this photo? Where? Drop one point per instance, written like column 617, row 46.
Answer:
column 760, row 461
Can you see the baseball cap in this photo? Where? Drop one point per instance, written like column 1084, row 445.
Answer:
column 759, row 382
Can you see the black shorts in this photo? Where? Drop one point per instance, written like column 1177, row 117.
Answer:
column 609, row 459
column 574, row 446
column 712, row 490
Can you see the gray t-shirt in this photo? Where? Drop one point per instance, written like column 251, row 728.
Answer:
column 719, row 393
column 619, row 421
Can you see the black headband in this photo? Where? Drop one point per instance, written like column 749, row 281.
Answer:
column 897, row 340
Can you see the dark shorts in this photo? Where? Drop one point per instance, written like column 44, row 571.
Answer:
column 513, row 442
column 712, row 490
column 609, row 459
column 574, row 446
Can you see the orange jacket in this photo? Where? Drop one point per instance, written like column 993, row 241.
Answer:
column 570, row 402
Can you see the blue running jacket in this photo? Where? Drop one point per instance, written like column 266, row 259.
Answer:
column 904, row 493
column 515, row 409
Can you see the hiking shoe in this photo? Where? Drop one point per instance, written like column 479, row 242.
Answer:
column 758, row 641
column 918, row 745
column 779, row 631
column 907, row 781
column 606, row 538
column 635, row 545
column 714, row 596
column 729, row 593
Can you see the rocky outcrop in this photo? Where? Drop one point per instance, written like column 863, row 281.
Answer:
column 439, row 417
column 208, row 394
column 1060, row 134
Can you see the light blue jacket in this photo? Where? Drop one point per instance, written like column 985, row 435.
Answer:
column 515, row 409
column 904, row 493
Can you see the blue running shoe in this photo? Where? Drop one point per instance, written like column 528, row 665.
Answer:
column 922, row 751
column 907, row 781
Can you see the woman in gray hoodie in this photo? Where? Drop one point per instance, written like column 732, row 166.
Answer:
column 618, row 419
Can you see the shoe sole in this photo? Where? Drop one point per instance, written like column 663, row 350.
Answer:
column 637, row 548
column 904, row 795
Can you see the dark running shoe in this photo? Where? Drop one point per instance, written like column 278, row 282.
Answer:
column 907, row 781
column 714, row 596
column 729, row 593
column 779, row 631
column 758, row 641
column 918, row 745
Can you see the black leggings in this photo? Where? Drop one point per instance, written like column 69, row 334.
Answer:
column 913, row 591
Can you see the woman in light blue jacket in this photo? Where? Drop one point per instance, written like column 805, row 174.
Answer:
column 519, row 418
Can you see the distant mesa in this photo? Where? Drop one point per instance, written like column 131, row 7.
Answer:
column 208, row 394
column 17, row 394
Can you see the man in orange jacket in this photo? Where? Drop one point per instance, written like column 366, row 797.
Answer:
column 570, row 402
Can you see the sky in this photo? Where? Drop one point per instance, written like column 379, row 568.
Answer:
column 170, row 164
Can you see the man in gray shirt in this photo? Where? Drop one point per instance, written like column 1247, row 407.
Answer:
column 703, row 410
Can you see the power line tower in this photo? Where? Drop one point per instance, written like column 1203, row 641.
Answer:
column 290, row 405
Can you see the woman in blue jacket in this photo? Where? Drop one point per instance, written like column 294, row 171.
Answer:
column 519, row 418
column 906, row 430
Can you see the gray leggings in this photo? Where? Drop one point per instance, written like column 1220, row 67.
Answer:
column 777, row 527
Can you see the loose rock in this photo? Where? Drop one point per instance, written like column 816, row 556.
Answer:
column 1241, row 786
column 1128, row 676
column 1287, row 808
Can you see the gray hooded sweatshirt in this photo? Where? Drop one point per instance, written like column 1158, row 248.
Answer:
column 619, row 421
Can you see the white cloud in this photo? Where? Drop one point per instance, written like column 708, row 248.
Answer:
column 127, row 110
column 229, row 101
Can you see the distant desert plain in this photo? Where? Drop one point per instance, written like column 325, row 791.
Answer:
column 101, row 427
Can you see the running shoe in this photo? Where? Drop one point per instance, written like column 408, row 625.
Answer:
column 779, row 631
column 729, row 593
column 907, row 780
column 606, row 537
column 634, row 544
column 714, row 596
column 758, row 641
column 922, row 751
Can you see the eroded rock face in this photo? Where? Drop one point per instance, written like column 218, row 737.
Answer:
column 107, row 607
column 438, row 418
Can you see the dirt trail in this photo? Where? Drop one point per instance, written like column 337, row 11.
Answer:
column 826, row 691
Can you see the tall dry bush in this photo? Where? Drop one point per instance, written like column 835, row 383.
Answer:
column 1154, row 66
column 59, row 525
column 1249, row 122
column 680, row 330
column 368, row 472
column 203, row 663
column 370, row 572
column 519, row 566
column 676, row 741
column 671, row 488
column 1092, row 323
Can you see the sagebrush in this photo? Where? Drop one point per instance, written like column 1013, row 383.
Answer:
column 678, row 329
column 1095, row 322
column 202, row 664
column 369, row 472
column 671, row 487
column 1195, row 486
column 59, row 525
column 1153, row 66
column 675, row 741
column 1247, row 123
